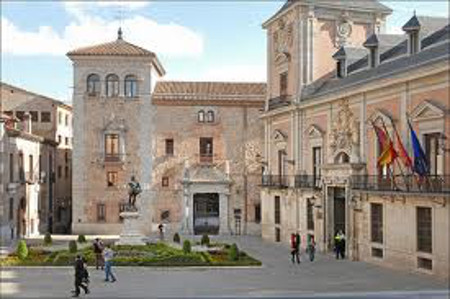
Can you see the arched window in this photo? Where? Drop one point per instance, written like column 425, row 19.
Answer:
column 93, row 84
column 210, row 116
column 342, row 158
column 130, row 86
column 112, row 85
column 201, row 116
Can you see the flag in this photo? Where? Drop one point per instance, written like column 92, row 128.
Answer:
column 402, row 153
column 420, row 165
column 381, row 136
column 388, row 155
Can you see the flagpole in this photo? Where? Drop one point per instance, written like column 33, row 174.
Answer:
column 401, row 168
column 395, row 159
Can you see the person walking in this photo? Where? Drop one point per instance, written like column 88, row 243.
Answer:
column 80, row 275
column 297, row 247
column 294, row 251
column 161, row 231
column 311, row 248
column 108, row 254
column 98, row 250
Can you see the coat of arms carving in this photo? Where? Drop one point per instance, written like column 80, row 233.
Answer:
column 344, row 136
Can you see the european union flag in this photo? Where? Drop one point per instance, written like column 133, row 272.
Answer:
column 420, row 165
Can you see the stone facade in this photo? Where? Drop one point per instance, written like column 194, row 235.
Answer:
column 321, row 149
column 52, row 120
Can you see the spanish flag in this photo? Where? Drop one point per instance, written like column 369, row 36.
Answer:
column 402, row 153
column 388, row 155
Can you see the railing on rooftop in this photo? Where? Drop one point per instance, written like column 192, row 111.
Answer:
column 275, row 181
column 435, row 184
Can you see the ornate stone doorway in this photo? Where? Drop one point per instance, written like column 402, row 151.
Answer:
column 206, row 213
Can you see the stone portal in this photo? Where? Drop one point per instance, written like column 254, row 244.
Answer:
column 206, row 213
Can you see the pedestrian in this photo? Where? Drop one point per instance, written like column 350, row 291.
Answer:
column 294, row 251
column 108, row 254
column 80, row 276
column 161, row 231
column 311, row 248
column 98, row 250
column 297, row 247
column 339, row 244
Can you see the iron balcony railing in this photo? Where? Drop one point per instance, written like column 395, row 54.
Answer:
column 280, row 101
column 307, row 181
column 275, row 181
column 114, row 158
column 435, row 184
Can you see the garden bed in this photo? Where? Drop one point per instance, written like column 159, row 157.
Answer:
column 156, row 255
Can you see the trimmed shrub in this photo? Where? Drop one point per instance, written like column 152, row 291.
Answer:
column 22, row 250
column 233, row 254
column 81, row 239
column 47, row 239
column 205, row 240
column 73, row 246
column 176, row 238
column 186, row 246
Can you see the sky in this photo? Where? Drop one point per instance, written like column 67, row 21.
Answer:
column 195, row 41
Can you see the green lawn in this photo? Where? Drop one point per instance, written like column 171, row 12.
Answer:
column 160, row 254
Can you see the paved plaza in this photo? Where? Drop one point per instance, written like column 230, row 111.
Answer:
column 326, row 277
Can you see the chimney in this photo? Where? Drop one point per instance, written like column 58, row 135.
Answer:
column 27, row 123
column 341, row 62
column 372, row 44
column 412, row 28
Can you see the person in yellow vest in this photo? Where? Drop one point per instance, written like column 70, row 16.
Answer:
column 339, row 244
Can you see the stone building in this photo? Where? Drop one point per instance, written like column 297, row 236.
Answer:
column 332, row 72
column 24, row 189
column 181, row 140
column 52, row 120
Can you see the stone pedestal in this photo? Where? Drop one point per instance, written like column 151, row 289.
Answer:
column 131, row 234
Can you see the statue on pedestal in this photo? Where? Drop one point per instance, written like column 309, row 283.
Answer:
column 134, row 189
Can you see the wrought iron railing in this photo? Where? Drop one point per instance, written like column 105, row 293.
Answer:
column 307, row 181
column 280, row 101
column 409, row 183
column 114, row 158
column 275, row 181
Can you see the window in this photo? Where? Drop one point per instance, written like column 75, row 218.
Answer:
column 59, row 171
column 169, row 147
column 112, row 178
column 112, row 85
column 30, row 167
column 414, row 42
column 377, row 252
column 201, row 116
column 206, row 149
column 277, row 234
column 130, row 86
column 11, row 167
column 21, row 168
column 34, row 116
column 210, row 116
column 66, row 172
column 373, row 57
column 284, row 84
column 432, row 152
column 20, row 114
column 340, row 68
column 66, row 140
column 60, row 115
column 46, row 117
column 11, row 209
column 424, row 263
column 66, row 120
column 277, row 210
column 165, row 181
column 66, row 157
column 424, row 230
column 309, row 214
column 59, row 139
column 165, row 215
column 101, row 212
column 258, row 213
column 317, row 162
column 40, row 167
column 376, row 222
column 93, row 84
column 111, row 146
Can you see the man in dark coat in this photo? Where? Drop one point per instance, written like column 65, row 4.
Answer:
column 80, row 276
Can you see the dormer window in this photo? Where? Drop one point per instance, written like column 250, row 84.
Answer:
column 412, row 28
column 372, row 45
column 341, row 68
column 413, row 42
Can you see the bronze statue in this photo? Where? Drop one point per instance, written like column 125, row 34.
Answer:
column 134, row 189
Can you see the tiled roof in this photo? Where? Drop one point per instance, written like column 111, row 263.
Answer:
column 373, row 5
column 118, row 47
column 177, row 90
column 412, row 24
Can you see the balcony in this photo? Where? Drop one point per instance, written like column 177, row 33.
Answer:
column 114, row 158
column 307, row 182
column 275, row 181
column 434, row 184
column 280, row 101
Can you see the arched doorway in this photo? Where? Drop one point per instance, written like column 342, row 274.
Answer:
column 206, row 213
